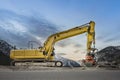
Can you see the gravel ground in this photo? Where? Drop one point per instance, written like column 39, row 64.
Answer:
column 52, row 73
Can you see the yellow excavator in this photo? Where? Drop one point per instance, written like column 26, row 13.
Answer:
column 46, row 54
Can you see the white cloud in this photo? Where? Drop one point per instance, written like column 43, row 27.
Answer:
column 17, row 27
column 13, row 27
column 71, row 52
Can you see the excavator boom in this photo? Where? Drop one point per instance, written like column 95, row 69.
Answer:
column 89, row 28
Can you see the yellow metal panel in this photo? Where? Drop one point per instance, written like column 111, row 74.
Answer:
column 15, row 54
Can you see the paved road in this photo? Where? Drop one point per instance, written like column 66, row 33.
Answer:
column 61, row 75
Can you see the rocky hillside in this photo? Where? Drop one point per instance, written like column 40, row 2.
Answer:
column 109, row 54
column 5, row 47
column 4, row 52
column 4, row 60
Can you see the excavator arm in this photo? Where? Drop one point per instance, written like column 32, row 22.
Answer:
column 48, row 47
column 91, row 37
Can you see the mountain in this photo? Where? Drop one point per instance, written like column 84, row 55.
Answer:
column 109, row 54
column 5, row 47
column 4, row 53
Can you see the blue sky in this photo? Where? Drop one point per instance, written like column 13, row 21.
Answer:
column 70, row 13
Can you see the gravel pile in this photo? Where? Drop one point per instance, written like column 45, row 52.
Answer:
column 67, row 62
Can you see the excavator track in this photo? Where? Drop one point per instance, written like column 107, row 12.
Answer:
column 36, row 62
